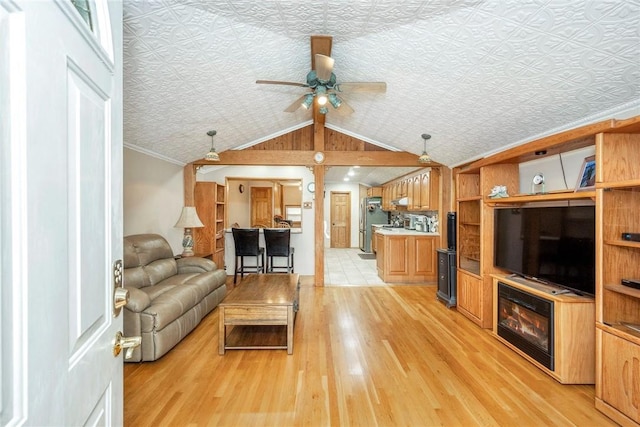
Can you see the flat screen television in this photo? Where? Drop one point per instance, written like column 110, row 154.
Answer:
column 550, row 244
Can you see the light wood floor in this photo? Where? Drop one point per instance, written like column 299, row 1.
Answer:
column 363, row 356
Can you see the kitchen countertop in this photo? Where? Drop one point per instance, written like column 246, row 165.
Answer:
column 402, row 232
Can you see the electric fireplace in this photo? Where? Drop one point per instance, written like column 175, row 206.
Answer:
column 526, row 321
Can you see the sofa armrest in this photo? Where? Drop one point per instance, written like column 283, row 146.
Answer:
column 138, row 300
column 194, row 264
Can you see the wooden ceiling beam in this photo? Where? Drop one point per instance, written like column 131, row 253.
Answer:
column 322, row 45
column 305, row 158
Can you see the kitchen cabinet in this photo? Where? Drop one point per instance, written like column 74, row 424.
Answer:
column 421, row 189
column 430, row 190
column 374, row 192
column 414, row 193
column 406, row 257
column 374, row 241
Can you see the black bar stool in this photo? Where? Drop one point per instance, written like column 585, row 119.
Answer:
column 246, row 241
column 278, row 243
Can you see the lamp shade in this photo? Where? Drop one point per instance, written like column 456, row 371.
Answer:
column 424, row 158
column 189, row 218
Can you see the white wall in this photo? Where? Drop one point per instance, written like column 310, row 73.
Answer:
column 354, row 189
column 153, row 197
column 302, row 242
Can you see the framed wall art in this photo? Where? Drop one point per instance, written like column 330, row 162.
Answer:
column 587, row 175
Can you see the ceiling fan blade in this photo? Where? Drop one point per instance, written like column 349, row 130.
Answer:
column 371, row 87
column 320, row 44
column 276, row 82
column 324, row 67
column 295, row 105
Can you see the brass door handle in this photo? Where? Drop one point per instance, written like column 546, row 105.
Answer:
column 128, row 343
column 120, row 298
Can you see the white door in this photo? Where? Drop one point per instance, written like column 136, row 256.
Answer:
column 61, row 214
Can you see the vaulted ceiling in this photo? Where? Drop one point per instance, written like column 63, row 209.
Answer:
column 477, row 75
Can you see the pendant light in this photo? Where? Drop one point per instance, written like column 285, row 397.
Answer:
column 212, row 156
column 424, row 157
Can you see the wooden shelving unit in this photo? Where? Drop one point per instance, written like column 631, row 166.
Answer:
column 618, row 306
column 210, row 204
column 474, row 299
column 617, row 201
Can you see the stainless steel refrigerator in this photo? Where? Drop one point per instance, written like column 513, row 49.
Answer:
column 370, row 213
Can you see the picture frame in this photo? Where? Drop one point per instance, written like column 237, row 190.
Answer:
column 587, row 175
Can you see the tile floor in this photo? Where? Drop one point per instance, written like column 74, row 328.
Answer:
column 343, row 267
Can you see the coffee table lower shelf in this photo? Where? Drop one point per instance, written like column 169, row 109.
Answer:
column 259, row 304
column 263, row 337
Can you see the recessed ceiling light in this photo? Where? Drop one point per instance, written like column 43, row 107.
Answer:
column 351, row 172
column 346, row 178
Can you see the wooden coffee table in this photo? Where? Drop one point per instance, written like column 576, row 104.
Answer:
column 260, row 300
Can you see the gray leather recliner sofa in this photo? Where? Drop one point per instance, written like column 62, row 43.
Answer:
column 167, row 297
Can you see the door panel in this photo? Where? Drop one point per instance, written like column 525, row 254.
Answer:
column 340, row 220
column 261, row 206
column 399, row 253
column 65, row 142
column 425, row 258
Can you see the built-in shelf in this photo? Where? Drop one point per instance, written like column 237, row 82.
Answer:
column 623, row 243
column 627, row 183
column 469, row 199
column 621, row 331
column 543, row 197
column 621, row 289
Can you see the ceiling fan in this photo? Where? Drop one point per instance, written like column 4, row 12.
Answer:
column 322, row 83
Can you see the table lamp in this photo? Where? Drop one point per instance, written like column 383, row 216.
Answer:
column 188, row 220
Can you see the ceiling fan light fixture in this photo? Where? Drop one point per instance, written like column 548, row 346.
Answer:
column 424, row 157
column 308, row 100
column 323, row 109
column 335, row 101
column 321, row 93
column 212, row 156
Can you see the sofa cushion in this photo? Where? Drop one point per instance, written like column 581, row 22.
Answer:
column 170, row 305
column 160, row 270
column 142, row 249
column 205, row 283
column 135, row 277
column 195, row 265
column 148, row 260
column 138, row 300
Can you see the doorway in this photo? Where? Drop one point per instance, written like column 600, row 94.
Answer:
column 261, row 207
column 340, row 219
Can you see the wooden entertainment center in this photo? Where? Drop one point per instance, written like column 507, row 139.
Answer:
column 617, row 202
column 574, row 331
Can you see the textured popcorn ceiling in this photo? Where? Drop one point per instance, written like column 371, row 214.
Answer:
column 476, row 75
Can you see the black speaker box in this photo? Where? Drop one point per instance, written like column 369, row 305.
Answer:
column 451, row 231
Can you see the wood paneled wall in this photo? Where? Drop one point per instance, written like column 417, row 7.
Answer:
column 302, row 140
